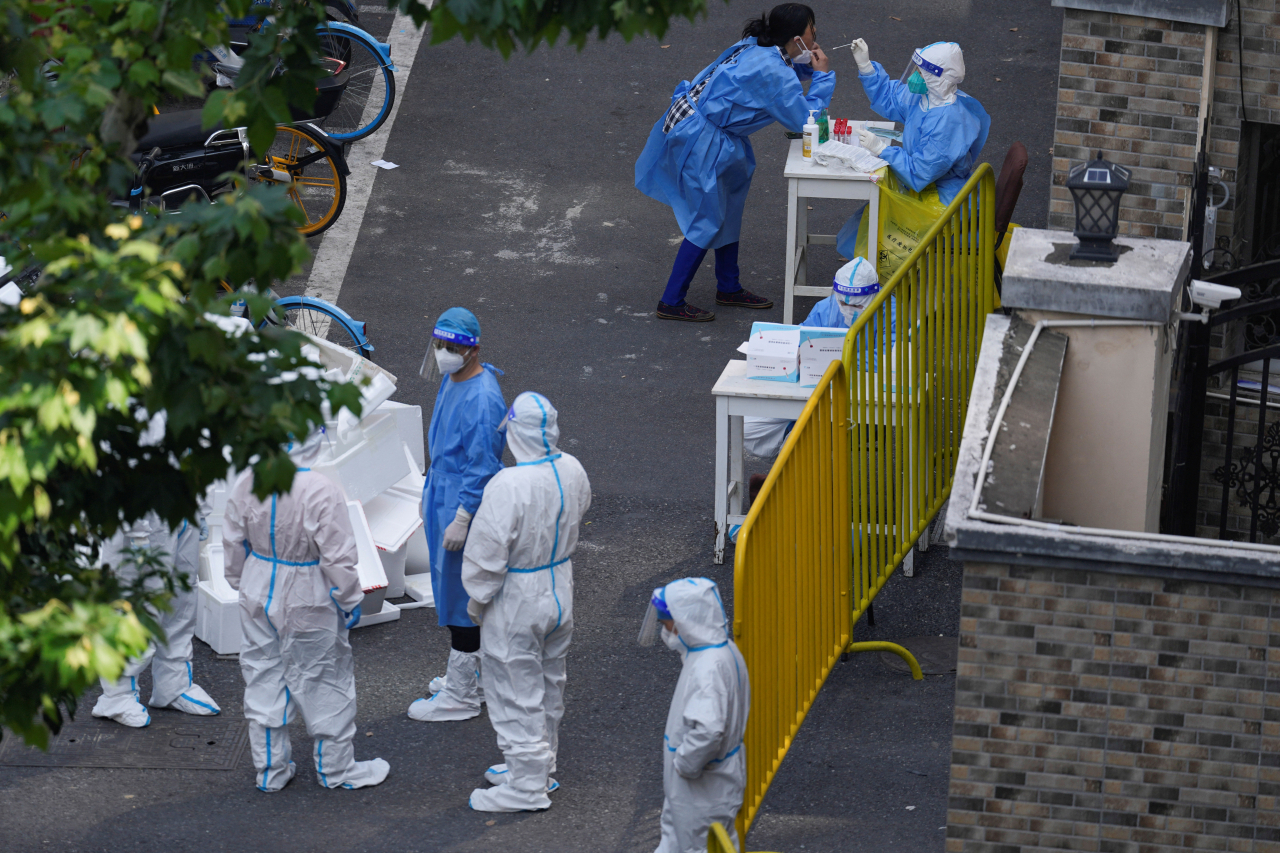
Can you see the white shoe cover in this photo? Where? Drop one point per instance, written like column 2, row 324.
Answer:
column 442, row 708
column 504, row 798
column 459, row 698
column 497, row 774
column 290, row 772
column 195, row 701
column 437, row 684
column 120, row 702
column 366, row 774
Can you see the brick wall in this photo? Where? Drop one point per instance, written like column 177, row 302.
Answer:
column 1130, row 86
column 1109, row 712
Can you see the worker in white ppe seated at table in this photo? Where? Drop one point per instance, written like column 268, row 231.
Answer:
column 466, row 451
column 172, row 682
column 293, row 559
column 944, row 129
column 853, row 288
column 704, row 762
column 518, row 570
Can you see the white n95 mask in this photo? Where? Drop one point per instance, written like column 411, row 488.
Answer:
column 849, row 312
column 805, row 56
column 449, row 362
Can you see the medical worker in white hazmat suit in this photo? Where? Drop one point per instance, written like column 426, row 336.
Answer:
column 172, row 682
column 173, row 685
column 517, row 569
column 293, row 559
column 704, row 765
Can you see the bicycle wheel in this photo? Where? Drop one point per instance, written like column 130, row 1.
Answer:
column 371, row 87
column 318, row 318
column 317, row 187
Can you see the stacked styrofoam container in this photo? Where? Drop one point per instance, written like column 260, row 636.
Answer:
column 378, row 461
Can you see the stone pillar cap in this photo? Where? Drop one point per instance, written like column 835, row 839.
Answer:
column 1143, row 284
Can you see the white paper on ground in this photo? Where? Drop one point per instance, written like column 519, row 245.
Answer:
column 384, row 164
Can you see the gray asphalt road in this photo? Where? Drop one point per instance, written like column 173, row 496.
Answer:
column 515, row 197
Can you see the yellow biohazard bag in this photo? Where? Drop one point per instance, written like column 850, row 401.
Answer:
column 905, row 216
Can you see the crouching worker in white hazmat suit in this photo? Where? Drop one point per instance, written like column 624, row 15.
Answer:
column 172, row 685
column 293, row 559
column 517, row 569
column 704, row 766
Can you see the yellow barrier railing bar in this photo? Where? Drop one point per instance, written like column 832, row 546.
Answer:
column 867, row 466
column 792, row 613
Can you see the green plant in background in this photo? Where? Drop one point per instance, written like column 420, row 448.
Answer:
column 117, row 327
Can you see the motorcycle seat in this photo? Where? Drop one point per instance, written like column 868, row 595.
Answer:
column 174, row 130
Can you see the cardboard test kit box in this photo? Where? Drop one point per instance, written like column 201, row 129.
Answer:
column 818, row 348
column 773, row 352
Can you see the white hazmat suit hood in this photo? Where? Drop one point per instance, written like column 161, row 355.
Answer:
column 947, row 56
column 704, row 769
column 518, row 571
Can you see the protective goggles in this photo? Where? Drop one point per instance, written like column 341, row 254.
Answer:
column 654, row 614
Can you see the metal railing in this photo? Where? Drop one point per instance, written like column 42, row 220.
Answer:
column 867, row 466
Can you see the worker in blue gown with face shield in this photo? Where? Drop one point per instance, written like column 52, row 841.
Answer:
column 698, row 158
column 466, row 451
column 943, row 128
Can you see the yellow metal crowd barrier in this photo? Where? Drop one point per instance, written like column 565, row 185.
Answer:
column 867, row 466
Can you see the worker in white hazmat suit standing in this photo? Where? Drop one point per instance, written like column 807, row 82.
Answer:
column 704, row 765
column 173, row 683
column 293, row 559
column 172, row 679
column 517, row 569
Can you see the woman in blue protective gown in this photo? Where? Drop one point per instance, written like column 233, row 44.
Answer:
column 698, row 158
column 466, row 451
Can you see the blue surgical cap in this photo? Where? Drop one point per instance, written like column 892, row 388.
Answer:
column 458, row 325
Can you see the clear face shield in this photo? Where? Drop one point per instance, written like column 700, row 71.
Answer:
column 446, row 356
column 913, row 76
column 654, row 615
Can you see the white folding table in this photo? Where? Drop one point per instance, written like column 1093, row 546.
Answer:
column 737, row 396
column 806, row 180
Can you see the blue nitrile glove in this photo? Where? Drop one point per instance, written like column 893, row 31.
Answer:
column 352, row 617
column 204, row 528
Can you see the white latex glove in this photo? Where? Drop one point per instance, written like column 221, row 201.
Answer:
column 862, row 56
column 475, row 610
column 455, row 535
column 871, row 142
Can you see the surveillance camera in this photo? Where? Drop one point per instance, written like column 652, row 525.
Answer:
column 1211, row 296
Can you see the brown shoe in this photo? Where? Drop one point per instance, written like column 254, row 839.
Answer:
column 742, row 299
column 688, row 313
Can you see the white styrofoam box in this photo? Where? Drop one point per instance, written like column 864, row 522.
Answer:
column 417, row 558
column 388, row 613
column 372, row 602
column 371, row 466
column 413, row 482
column 218, row 615
column 368, row 564
column 773, row 352
column 409, row 421
column 393, row 517
column 418, row 587
column 212, row 561
column 818, row 348
column 393, row 565
column 356, row 368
